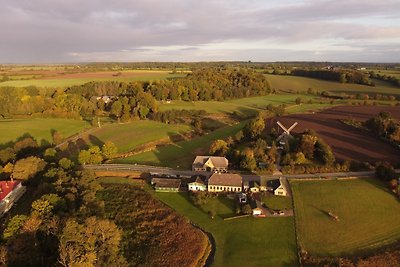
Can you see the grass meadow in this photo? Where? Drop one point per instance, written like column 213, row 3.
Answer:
column 39, row 128
column 368, row 216
column 127, row 136
column 181, row 154
column 240, row 242
column 250, row 105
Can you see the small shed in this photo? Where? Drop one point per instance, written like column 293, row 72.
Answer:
column 166, row 184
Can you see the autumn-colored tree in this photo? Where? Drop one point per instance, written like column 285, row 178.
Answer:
column 254, row 128
column 94, row 242
column 14, row 225
column 65, row 163
column 218, row 147
column 109, row 150
column 26, row 168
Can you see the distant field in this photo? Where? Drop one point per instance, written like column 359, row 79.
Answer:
column 285, row 83
column 128, row 136
column 368, row 216
column 64, row 80
column 182, row 153
column 39, row 128
column 240, row 242
column 244, row 106
column 395, row 73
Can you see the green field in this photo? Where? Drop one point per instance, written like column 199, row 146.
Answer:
column 392, row 72
column 277, row 202
column 181, row 154
column 61, row 81
column 240, row 242
column 128, row 136
column 247, row 106
column 294, row 83
column 368, row 216
column 39, row 128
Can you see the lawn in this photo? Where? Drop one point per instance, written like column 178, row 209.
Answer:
column 181, row 154
column 277, row 202
column 128, row 136
column 294, row 83
column 60, row 81
column 240, row 242
column 39, row 128
column 368, row 216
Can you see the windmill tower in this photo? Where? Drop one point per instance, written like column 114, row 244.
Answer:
column 283, row 138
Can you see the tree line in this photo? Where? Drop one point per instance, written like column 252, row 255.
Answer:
column 386, row 78
column 123, row 100
column 342, row 76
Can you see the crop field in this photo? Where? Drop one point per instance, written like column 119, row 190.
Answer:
column 346, row 142
column 128, row 136
column 368, row 216
column 240, row 242
column 182, row 154
column 39, row 128
column 301, row 84
column 59, row 79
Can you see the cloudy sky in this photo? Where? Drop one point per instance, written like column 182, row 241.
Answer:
column 52, row 31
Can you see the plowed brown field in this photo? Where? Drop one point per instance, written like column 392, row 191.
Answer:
column 347, row 142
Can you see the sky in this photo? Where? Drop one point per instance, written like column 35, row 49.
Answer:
column 57, row 31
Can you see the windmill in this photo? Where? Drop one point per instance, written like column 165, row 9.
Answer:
column 282, row 139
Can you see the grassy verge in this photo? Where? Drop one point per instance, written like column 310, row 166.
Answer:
column 367, row 214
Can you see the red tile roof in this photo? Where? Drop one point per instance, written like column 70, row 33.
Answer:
column 6, row 187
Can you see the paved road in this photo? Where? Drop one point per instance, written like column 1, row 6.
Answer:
column 246, row 177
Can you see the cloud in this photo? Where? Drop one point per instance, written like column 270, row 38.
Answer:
column 188, row 30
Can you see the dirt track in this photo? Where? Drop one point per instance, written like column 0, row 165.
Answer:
column 346, row 142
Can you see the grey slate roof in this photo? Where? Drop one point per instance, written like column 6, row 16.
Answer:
column 166, row 182
column 219, row 162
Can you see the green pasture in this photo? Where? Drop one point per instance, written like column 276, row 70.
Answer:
column 244, row 106
column 368, row 216
column 277, row 202
column 301, row 84
column 181, row 154
column 240, row 242
column 39, row 128
column 65, row 82
column 127, row 136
